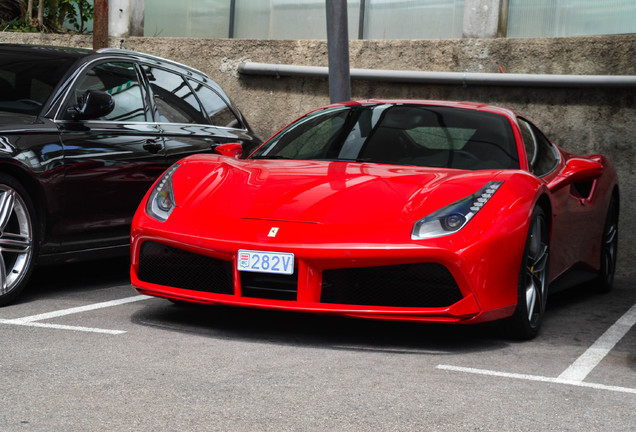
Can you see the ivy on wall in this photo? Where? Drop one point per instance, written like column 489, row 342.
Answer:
column 51, row 16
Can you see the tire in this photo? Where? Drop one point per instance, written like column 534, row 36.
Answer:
column 18, row 239
column 532, row 288
column 609, row 249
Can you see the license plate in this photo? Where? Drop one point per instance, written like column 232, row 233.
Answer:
column 265, row 262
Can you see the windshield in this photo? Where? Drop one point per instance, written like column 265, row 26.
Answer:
column 28, row 79
column 420, row 135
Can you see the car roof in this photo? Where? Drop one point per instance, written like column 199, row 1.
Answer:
column 90, row 54
column 50, row 51
column 476, row 106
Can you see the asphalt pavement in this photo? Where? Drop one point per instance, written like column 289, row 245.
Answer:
column 82, row 351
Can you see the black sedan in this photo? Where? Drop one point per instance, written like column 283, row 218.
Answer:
column 83, row 135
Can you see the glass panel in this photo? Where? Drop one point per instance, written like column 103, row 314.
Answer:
column 416, row 135
column 554, row 18
column 546, row 159
column 529, row 143
column 187, row 18
column 38, row 75
column 174, row 100
column 120, row 80
column 217, row 110
column 542, row 156
column 413, row 19
column 288, row 19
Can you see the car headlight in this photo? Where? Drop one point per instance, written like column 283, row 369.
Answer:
column 161, row 200
column 455, row 216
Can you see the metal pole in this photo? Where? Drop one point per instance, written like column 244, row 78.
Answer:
column 363, row 6
column 232, row 17
column 100, row 25
column 338, row 51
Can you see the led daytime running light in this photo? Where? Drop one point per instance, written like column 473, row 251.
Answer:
column 455, row 216
column 487, row 193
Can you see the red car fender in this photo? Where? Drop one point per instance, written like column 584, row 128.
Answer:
column 492, row 264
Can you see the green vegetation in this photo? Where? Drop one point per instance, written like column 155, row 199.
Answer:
column 52, row 16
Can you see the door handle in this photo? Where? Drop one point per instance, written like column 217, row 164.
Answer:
column 152, row 146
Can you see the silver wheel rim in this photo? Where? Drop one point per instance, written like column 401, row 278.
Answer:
column 536, row 272
column 16, row 239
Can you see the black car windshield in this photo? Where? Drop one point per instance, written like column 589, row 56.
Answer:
column 401, row 134
column 27, row 80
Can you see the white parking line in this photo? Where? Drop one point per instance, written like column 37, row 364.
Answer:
column 32, row 320
column 63, row 327
column 579, row 370
column 594, row 354
column 537, row 378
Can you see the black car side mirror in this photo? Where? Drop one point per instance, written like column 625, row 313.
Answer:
column 94, row 104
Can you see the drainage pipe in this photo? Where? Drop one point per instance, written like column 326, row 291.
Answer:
column 459, row 78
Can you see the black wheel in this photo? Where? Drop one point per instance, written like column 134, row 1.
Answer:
column 609, row 249
column 17, row 238
column 532, row 288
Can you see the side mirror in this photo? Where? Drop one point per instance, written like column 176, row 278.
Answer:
column 576, row 170
column 234, row 150
column 94, row 104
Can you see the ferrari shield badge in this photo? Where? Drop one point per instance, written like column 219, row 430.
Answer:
column 273, row 232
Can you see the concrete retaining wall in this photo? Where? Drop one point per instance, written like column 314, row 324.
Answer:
column 580, row 120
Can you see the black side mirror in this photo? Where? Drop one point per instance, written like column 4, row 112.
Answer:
column 94, row 104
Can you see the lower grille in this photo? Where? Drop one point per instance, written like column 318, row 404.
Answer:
column 165, row 265
column 408, row 285
column 269, row 286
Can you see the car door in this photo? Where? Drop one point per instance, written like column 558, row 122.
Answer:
column 193, row 117
column 110, row 162
column 570, row 213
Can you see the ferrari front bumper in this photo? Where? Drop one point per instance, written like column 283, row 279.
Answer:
column 397, row 283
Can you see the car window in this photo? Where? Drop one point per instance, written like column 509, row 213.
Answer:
column 218, row 112
column 542, row 156
column 430, row 136
column 27, row 80
column 308, row 138
column 120, row 80
column 175, row 101
column 529, row 143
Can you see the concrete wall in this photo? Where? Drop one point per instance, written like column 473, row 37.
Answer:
column 580, row 120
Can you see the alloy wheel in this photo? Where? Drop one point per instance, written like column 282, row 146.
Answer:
column 16, row 239
column 609, row 249
column 536, row 272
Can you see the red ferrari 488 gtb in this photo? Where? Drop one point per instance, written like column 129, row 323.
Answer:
column 433, row 211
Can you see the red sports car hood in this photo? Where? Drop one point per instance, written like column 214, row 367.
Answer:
column 318, row 191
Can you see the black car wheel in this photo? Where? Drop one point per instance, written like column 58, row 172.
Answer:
column 609, row 249
column 17, row 238
column 533, row 280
